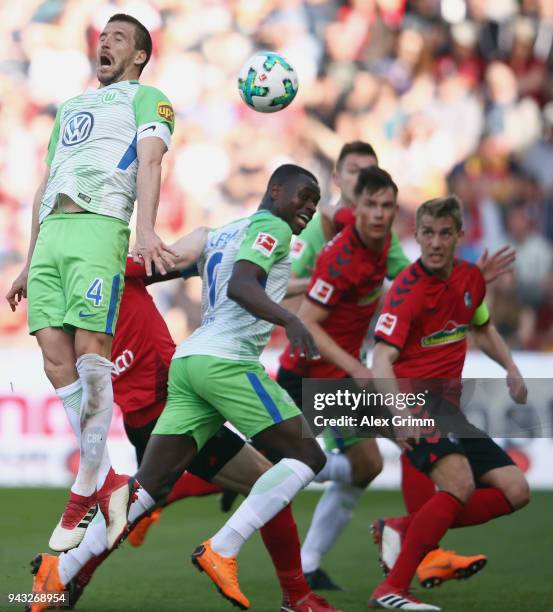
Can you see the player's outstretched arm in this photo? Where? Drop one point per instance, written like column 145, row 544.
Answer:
column 492, row 344
column 313, row 317
column 384, row 356
column 245, row 287
column 18, row 290
column 501, row 262
column 189, row 248
column 148, row 244
column 297, row 286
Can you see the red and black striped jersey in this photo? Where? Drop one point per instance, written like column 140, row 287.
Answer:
column 141, row 352
column 427, row 319
column 347, row 281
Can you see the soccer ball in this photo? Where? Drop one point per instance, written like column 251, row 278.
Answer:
column 267, row 82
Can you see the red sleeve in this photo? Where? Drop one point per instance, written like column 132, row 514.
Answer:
column 343, row 216
column 395, row 319
column 136, row 270
column 329, row 281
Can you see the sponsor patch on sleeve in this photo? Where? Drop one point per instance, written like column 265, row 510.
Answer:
column 321, row 291
column 297, row 248
column 265, row 244
column 386, row 323
column 165, row 111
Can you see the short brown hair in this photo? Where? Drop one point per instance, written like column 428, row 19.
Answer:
column 450, row 206
column 142, row 38
column 357, row 146
column 374, row 179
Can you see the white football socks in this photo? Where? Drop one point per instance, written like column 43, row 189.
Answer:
column 71, row 396
column 270, row 494
column 93, row 544
column 143, row 503
column 332, row 514
column 337, row 468
column 96, row 409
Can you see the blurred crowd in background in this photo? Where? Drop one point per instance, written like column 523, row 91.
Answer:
column 454, row 95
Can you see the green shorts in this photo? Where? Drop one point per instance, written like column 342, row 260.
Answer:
column 205, row 391
column 77, row 272
column 339, row 438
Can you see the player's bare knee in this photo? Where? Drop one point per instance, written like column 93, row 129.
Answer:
column 518, row 494
column 365, row 471
column 59, row 373
column 315, row 458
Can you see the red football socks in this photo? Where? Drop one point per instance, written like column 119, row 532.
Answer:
column 281, row 539
column 189, row 485
column 483, row 506
column 417, row 488
column 427, row 527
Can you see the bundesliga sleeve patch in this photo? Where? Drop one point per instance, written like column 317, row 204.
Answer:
column 386, row 323
column 265, row 244
column 165, row 111
column 298, row 247
column 321, row 291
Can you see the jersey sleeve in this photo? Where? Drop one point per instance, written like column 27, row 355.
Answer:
column 154, row 114
column 330, row 279
column 54, row 137
column 267, row 240
column 481, row 315
column 396, row 261
column 343, row 216
column 305, row 248
column 395, row 320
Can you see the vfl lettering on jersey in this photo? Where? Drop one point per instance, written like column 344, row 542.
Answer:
column 297, row 248
column 165, row 111
column 219, row 241
column 265, row 244
column 122, row 363
column 321, row 291
column 468, row 299
column 452, row 332
column 77, row 129
column 386, row 323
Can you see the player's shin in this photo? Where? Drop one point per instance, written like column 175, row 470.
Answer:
column 280, row 536
column 93, row 544
column 271, row 492
column 96, row 410
column 332, row 514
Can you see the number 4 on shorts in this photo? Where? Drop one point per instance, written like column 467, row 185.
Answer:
column 94, row 292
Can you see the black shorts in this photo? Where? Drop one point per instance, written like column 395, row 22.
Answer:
column 215, row 454
column 482, row 453
column 292, row 383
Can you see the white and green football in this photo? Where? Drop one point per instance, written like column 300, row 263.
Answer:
column 267, row 82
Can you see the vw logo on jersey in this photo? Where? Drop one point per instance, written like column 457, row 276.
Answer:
column 77, row 129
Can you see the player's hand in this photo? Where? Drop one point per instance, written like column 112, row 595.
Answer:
column 18, row 289
column 361, row 374
column 301, row 339
column 152, row 250
column 501, row 262
column 517, row 387
column 407, row 436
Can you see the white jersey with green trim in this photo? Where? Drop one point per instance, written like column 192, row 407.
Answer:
column 228, row 330
column 93, row 148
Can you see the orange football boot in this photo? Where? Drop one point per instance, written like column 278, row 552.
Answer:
column 137, row 535
column 47, row 580
column 222, row 571
column 440, row 565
